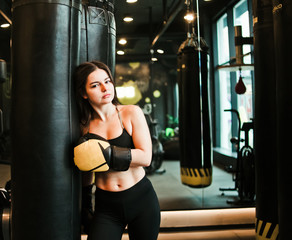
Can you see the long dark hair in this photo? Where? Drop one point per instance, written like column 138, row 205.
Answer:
column 80, row 78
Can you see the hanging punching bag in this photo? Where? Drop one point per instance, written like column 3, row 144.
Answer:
column 3, row 71
column 265, row 103
column 45, row 183
column 194, row 123
column 98, row 32
column 282, row 16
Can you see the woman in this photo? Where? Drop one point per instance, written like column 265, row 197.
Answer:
column 124, row 196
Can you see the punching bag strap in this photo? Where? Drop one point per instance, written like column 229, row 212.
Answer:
column 69, row 3
column 277, row 8
column 104, row 4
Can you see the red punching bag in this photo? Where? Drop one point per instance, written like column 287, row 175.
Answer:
column 240, row 87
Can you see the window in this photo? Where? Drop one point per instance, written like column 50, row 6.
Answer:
column 224, row 84
column 225, row 80
column 244, row 102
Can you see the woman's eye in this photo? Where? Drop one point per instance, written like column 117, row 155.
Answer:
column 95, row 85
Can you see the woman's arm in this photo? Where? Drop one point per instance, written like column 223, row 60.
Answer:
column 142, row 154
column 87, row 178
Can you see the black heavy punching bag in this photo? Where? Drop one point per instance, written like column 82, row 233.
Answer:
column 3, row 71
column 194, row 123
column 282, row 16
column 98, row 32
column 45, row 184
column 265, row 121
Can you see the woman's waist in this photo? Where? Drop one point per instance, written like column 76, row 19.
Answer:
column 115, row 181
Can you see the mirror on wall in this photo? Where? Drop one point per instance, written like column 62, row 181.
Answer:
column 153, row 86
column 159, row 99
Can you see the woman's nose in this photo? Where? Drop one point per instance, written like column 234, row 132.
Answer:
column 103, row 87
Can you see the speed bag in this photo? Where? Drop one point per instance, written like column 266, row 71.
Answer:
column 194, row 123
column 98, row 33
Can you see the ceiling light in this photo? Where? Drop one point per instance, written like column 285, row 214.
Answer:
column 154, row 59
column 122, row 41
column 128, row 18
column 160, row 51
column 5, row 25
column 131, row 1
column 189, row 17
column 120, row 52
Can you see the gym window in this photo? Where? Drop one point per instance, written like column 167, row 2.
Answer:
column 226, row 122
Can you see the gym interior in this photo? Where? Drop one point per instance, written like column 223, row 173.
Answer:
column 212, row 78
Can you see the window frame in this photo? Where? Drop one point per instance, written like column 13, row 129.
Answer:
column 233, row 76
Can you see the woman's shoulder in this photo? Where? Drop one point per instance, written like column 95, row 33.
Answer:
column 129, row 109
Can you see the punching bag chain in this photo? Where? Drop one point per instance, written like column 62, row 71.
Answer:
column 198, row 25
column 86, row 30
column 200, row 71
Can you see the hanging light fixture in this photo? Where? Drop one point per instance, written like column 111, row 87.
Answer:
column 123, row 41
column 128, row 18
column 120, row 52
column 160, row 51
column 5, row 25
column 190, row 15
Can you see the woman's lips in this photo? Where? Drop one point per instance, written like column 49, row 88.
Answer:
column 106, row 96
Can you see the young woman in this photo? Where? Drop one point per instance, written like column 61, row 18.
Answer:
column 124, row 196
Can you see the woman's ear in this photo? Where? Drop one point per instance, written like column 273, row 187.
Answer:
column 84, row 95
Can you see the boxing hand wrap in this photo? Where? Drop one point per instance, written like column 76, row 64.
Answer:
column 97, row 155
column 121, row 158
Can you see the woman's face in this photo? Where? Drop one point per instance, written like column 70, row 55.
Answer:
column 99, row 88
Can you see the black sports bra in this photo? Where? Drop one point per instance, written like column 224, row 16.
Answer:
column 124, row 140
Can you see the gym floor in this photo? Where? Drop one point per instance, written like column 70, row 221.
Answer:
column 209, row 216
column 173, row 195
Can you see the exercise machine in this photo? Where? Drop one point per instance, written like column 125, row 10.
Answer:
column 157, row 148
column 244, row 173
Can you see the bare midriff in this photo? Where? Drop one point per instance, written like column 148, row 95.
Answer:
column 115, row 181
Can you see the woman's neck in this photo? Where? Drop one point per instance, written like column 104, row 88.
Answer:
column 106, row 112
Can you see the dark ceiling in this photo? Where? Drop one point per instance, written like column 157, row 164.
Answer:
column 156, row 24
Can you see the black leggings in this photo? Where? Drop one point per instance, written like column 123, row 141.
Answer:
column 137, row 208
